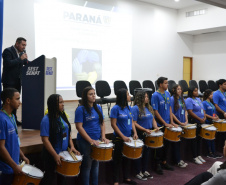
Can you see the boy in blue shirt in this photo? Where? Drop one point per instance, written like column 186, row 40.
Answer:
column 160, row 102
column 9, row 139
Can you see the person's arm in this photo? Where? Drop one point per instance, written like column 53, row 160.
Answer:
column 22, row 156
column 186, row 117
column 141, row 128
column 171, row 119
column 134, row 131
column 117, row 130
column 9, row 61
column 177, row 121
column 220, row 110
column 159, row 117
column 72, row 147
column 155, row 124
column 103, row 137
column 192, row 114
column 50, row 149
column 5, row 156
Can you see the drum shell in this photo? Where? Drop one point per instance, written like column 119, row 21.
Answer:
column 102, row 153
column 69, row 168
column 154, row 141
column 132, row 152
column 221, row 127
column 171, row 135
column 189, row 133
column 207, row 134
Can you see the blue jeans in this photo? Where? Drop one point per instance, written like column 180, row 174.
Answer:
column 210, row 146
column 141, row 164
column 89, row 166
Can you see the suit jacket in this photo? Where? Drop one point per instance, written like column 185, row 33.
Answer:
column 12, row 67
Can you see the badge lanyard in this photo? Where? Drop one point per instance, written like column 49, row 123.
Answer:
column 211, row 105
column 164, row 97
column 62, row 123
column 12, row 120
column 199, row 105
column 182, row 105
column 222, row 93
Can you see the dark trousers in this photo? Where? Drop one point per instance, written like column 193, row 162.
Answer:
column 176, row 151
column 195, row 143
column 120, row 161
column 199, row 179
column 6, row 179
column 210, row 146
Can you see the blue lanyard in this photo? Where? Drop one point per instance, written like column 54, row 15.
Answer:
column 223, row 93
column 180, row 102
column 211, row 105
column 197, row 102
column 12, row 120
column 163, row 96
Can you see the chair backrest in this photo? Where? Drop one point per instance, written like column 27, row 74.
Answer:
column 184, row 85
column 133, row 84
column 156, row 85
column 193, row 83
column 212, row 85
column 80, row 85
column 202, row 85
column 102, row 88
column 119, row 84
column 148, row 84
column 171, row 83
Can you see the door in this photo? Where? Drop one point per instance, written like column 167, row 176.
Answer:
column 187, row 69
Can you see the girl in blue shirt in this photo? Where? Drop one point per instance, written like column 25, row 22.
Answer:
column 89, row 122
column 180, row 117
column 210, row 112
column 144, row 121
column 196, row 115
column 55, row 133
column 123, row 125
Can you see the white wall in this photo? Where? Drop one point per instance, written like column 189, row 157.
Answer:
column 209, row 52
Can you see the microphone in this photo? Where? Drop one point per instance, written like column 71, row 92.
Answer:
column 22, row 54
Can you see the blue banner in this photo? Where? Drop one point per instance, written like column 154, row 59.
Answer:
column 1, row 34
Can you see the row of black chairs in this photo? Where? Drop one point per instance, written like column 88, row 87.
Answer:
column 103, row 89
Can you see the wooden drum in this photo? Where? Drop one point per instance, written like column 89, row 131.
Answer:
column 208, row 132
column 69, row 167
column 220, row 125
column 154, row 140
column 102, row 152
column 189, row 131
column 133, row 149
column 30, row 174
column 173, row 134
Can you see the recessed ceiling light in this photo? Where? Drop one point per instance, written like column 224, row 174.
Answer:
column 176, row 0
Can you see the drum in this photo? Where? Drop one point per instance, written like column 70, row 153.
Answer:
column 133, row 149
column 30, row 174
column 189, row 131
column 154, row 140
column 102, row 152
column 173, row 134
column 220, row 125
column 69, row 167
column 208, row 132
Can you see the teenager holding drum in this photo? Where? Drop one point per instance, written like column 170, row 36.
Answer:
column 143, row 118
column 160, row 102
column 89, row 122
column 55, row 133
column 196, row 114
column 123, row 125
column 180, row 117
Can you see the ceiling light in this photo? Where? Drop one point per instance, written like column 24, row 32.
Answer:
column 176, row 0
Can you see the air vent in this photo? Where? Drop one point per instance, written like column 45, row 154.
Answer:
column 196, row 13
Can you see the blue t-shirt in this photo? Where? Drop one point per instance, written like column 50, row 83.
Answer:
column 124, row 119
column 220, row 100
column 196, row 106
column 45, row 132
column 180, row 113
column 163, row 107
column 210, row 109
column 144, row 120
column 91, row 123
column 8, row 133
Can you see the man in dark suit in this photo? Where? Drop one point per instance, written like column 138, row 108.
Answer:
column 14, row 58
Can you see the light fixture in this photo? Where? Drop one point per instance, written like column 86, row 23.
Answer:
column 176, row 0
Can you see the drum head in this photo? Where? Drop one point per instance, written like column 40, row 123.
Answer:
column 32, row 171
column 159, row 133
column 67, row 156
column 220, row 121
column 189, row 127
column 211, row 128
column 174, row 129
column 139, row 143
column 109, row 145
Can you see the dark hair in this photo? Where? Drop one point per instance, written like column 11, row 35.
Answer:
column 190, row 91
column 20, row 39
column 87, row 106
column 220, row 82
column 174, row 93
column 207, row 93
column 54, row 123
column 161, row 80
column 121, row 98
column 222, row 166
column 140, row 102
column 8, row 93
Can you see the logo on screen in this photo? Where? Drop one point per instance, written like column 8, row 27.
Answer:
column 49, row 71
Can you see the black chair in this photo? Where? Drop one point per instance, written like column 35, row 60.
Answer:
column 80, row 85
column 212, row 85
column 171, row 83
column 156, row 85
column 119, row 84
column 184, row 87
column 148, row 84
column 202, row 86
column 133, row 84
column 103, row 89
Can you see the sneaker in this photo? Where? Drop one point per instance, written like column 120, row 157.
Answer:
column 166, row 166
column 210, row 155
column 201, row 159
column 217, row 156
column 129, row 182
column 140, row 176
column 159, row 169
column 197, row 161
column 147, row 175
column 181, row 164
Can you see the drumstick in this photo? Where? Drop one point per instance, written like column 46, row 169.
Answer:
column 157, row 129
column 72, row 154
column 189, row 125
column 135, row 142
column 102, row 142
column 208, row 126
column 22, row 164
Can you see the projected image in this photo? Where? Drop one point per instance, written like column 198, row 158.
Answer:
column 86, row 65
